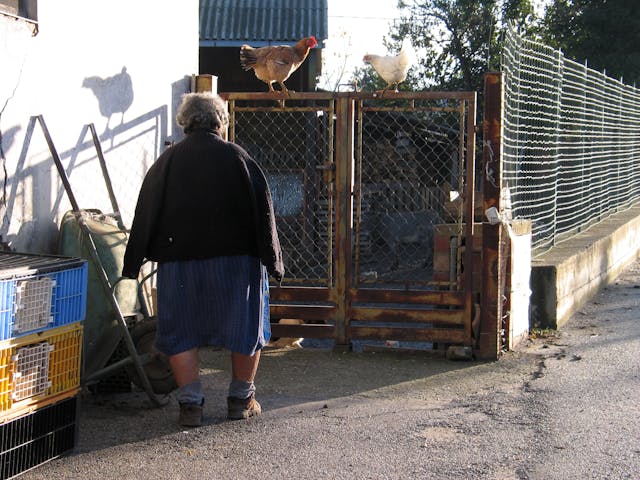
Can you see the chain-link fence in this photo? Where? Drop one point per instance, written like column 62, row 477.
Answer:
column 294, row 147
column 410, row 179
column 129, row 151
column 571, row 141
column 408, row 183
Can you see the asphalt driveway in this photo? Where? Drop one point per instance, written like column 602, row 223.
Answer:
column 563, row 405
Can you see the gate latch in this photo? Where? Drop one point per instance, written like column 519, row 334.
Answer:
column 327, row 168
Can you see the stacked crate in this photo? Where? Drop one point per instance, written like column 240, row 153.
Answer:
column 42, row 307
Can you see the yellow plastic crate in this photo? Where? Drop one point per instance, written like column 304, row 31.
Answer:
column 37, row 367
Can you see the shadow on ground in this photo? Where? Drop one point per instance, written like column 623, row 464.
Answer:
column 288, row 381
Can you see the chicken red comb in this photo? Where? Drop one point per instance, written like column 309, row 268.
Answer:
column 312, row 42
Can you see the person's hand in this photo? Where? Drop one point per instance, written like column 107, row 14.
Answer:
column 277, row 276
column 130, row 274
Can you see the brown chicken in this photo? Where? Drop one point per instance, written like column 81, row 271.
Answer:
column 276, row 63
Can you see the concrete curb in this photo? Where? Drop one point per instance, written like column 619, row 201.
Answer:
column 567, row 276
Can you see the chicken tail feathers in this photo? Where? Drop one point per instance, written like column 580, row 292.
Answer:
column 247, row 57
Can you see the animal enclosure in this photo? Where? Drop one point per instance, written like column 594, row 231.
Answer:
column 370, row 194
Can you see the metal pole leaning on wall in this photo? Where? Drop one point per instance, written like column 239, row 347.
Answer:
column 103, row 277
column 488, row 341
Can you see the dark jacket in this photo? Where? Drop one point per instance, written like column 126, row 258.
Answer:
column 204, row 197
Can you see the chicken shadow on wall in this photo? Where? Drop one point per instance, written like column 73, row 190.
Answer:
column 114, row 94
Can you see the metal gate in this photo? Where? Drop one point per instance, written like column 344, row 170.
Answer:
column 372, row 195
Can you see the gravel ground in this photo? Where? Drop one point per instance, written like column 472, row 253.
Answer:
column 563, row 405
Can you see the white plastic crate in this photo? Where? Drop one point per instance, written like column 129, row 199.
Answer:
column 33, row 304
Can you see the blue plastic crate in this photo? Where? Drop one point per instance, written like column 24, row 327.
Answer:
column 38, row 292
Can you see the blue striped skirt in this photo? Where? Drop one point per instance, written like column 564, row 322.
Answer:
column 221, row 301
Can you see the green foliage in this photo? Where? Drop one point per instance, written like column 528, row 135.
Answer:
column 368, row 80
column 604, row 33
column 457, row 37
column 543, row 333
column 456, row 41
column 520, row 14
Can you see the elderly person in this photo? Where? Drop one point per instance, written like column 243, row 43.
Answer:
column 205, row 215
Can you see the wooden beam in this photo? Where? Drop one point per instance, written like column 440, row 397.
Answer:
column 488, row 341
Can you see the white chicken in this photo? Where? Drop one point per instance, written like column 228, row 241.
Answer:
column 393, row 68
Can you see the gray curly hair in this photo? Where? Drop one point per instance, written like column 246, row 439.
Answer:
column 202, row 111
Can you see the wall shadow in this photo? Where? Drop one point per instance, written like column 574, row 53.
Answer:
column 116, row 137
column 115, row 95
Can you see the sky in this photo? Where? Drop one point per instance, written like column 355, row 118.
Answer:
column 356, row 27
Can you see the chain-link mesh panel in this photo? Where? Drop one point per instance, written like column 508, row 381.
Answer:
column 409, row 178
column 129, row 160
column 571, row 142
column 129, row 151
column 293, row 145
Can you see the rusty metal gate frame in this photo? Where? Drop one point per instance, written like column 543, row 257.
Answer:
column 329, row 311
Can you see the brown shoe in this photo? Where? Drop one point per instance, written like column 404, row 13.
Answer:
column 190, row 415
column 239, row 409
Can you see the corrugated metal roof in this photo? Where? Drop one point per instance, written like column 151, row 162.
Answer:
column 261, row 22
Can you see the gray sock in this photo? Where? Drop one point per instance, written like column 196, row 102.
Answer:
column 191, row 393
column 241, row 389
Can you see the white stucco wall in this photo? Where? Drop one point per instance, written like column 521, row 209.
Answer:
column 119, row 65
